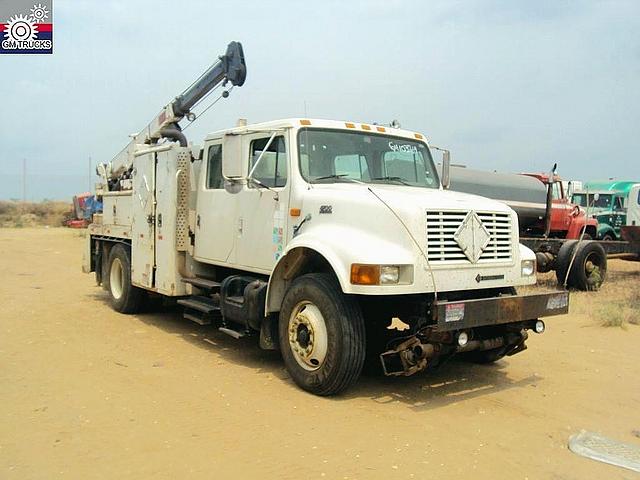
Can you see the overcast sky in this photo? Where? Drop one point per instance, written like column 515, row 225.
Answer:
column 506, row 85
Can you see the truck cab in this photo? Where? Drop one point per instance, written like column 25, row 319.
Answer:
column 607, row 207
column 351, row 193
column 568, row 220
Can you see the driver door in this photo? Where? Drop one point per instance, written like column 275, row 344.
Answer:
column 262, row 207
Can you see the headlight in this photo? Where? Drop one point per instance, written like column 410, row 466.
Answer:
column 389, row 274
column 528, row 268
column 362, row 274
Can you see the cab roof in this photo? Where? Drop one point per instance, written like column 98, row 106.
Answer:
column 318, row 123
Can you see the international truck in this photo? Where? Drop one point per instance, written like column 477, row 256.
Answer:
column 558, row 231
column 314, row 236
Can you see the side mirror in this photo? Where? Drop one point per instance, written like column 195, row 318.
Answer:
column 232, row 166
column 446, row 169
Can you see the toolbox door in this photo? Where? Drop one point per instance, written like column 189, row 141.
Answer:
column 143, row 225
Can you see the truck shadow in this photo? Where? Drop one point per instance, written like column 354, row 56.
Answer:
column 454, row 382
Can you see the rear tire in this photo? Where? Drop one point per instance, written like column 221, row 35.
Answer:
column 562, row 261
column 125, row 298
column 322, row 336
column 589, row 266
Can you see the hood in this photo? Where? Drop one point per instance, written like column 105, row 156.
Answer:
column 405, row 198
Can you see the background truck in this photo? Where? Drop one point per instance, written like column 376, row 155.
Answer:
column 607, row 203
column 631, row 231
column 313, row 235
column 549, row 223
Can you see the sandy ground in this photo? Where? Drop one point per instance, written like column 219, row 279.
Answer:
column 86, row 392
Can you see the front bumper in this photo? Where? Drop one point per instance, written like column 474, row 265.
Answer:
column 456, row 315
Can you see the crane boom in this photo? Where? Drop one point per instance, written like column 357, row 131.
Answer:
column 230, row 68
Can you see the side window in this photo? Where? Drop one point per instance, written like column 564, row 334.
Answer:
column 618, row 204
column 272, row 169
column 214, row 167
column 557, row 192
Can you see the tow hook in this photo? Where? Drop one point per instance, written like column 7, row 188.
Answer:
column 407, row 358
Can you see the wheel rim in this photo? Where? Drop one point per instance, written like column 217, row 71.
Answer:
column 594, row 270
column 308, row 336
column 116, row 278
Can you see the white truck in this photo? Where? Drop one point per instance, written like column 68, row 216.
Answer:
column 314, row 235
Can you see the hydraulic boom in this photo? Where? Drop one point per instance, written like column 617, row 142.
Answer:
column 230, row 68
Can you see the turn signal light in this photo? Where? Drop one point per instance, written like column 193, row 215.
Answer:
column 365, row 274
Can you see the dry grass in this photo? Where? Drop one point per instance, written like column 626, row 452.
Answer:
column 31, row 214
column 616, row 304
column 622, row 312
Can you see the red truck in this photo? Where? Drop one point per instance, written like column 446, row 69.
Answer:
column 568, row 220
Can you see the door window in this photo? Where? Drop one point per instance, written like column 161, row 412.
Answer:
column 272, row 169
column 214, row 167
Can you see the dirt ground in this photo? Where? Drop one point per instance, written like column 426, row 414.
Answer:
column 86, row 392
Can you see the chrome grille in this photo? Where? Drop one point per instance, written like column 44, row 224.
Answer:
column 442, row 247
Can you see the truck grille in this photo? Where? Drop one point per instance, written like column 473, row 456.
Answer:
column 443, row 247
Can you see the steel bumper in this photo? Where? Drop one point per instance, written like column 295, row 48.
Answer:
column 456, row 315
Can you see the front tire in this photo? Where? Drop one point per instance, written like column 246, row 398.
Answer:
column 125, row 298
column 322, row 335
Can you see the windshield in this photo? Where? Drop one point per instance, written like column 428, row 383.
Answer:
column 603, row 201
column 343, row 156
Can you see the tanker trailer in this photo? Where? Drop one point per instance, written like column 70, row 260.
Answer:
column 558, row 231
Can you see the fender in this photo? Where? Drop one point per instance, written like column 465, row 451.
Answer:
column 339, row 246
column 604, row 228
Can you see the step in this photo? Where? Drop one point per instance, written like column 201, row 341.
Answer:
column 200, row 320
column 201, row 304
column 233, row 333
column 201, row 282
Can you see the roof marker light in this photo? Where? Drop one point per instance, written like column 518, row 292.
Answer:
column 350, row 125
column 305, row 122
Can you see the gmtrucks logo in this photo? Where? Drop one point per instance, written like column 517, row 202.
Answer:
column 26, row 27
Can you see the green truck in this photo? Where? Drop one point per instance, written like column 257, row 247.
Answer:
column 607, row 203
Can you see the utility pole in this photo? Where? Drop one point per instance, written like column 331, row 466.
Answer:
column 24, row 180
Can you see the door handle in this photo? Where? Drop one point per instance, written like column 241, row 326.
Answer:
column 198, row 221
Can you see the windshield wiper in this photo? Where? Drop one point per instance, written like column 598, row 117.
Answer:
column 393, row 179
column 341, row 176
